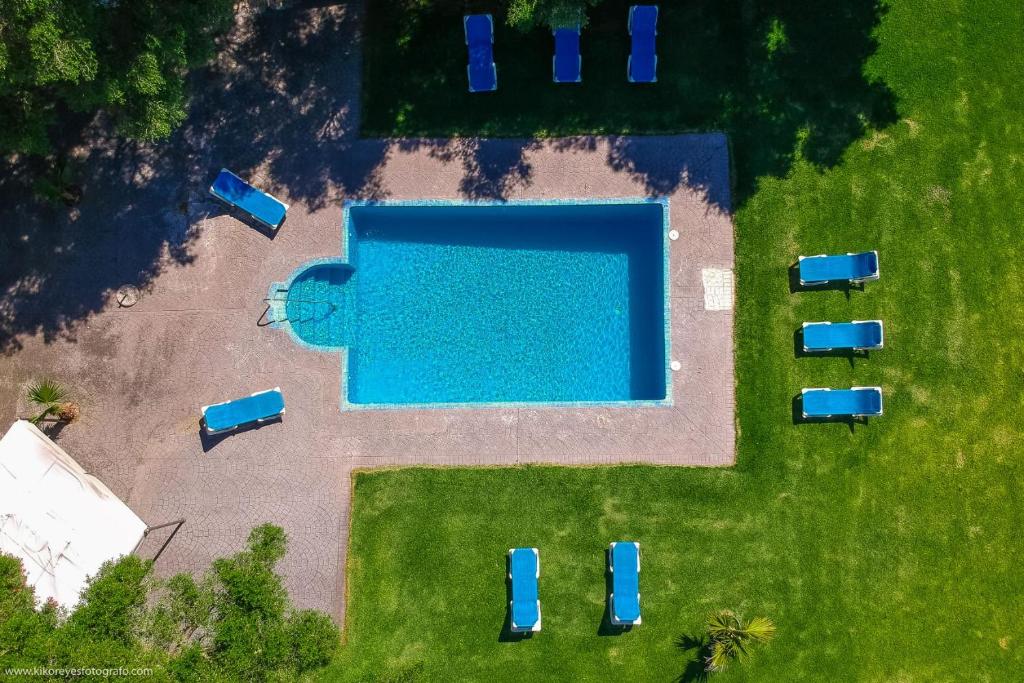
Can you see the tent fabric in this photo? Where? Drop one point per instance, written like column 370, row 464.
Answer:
column 60, row 521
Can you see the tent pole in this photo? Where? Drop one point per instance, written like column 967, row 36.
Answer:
column 176, row 524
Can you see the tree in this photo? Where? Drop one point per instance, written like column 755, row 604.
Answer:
column 235, row 623
column 24, row 631
column 528, row 14
column 129, row 58
column 111, row 604
column 103, row 629
column 732, row 638
column 248, row 626
column 314, row 637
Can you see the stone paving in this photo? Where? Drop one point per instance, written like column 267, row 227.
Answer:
column 142, row 373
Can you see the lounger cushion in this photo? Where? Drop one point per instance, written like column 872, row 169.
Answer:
column 232, row 414
column 625, row 581
column 824, row 402
column 483, row 74
column 643, row 64
column 839, row 267
column 643, row 59
column 479, row 29
column 643, row 20
column 567, row 55
column 231, row 189
column 856, row 335
column 524, row 588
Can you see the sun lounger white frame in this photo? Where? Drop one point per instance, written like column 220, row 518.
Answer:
column 257, row 421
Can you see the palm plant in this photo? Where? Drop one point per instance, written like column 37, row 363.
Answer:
column 732, row 637
column 49, row 396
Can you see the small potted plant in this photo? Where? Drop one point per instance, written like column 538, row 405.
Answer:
column 52, row 399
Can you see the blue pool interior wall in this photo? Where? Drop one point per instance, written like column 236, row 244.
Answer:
column 446, row 303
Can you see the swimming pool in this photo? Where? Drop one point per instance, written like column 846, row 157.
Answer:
column 447, row 303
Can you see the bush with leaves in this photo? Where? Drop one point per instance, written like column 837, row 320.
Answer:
column 235, row 623
column 25, row 632
column 528, row 14
column 730, row 637
column 127, row 57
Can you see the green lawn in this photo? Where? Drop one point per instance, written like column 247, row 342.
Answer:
column 887, row 552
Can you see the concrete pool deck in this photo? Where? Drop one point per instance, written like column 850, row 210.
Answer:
column 141, row 373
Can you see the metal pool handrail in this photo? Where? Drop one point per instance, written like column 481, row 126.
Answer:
column 270, row 300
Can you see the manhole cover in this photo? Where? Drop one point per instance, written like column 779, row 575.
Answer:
column 128, row 296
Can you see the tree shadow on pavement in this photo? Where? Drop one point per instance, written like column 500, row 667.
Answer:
column 279, row 106
column 58, row 265
column 492, row 168
column 785, row 80
column 282, row 106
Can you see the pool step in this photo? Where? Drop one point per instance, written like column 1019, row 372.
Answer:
column 321, row 306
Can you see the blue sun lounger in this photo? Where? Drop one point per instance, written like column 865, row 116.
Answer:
column 853, row 402
column 859, row 335
column 259, row 407
column 567, row 64
column 482, row 72
column 624, row 564
column 642, row 66
column 524, row 571
column 823, row 268
column 235, row 192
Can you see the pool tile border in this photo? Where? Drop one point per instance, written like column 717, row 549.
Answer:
column 347, row 238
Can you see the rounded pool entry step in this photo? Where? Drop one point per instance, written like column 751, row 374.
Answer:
column 319, row 305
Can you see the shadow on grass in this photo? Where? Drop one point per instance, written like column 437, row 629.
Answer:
column 800, row 419
column 850, row 354
column 695, row 648
column 844, row 286
column 607, row 628
column 507, row 635
column 784, row 79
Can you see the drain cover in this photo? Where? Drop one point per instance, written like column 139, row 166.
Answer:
column 128, row 296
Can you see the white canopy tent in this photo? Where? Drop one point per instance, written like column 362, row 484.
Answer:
column 60, row 521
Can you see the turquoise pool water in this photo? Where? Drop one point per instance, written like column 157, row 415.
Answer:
column 502, row 303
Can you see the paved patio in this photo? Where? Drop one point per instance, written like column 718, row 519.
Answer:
column 141, row 373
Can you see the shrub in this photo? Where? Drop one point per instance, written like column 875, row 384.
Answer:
column 732, row 638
